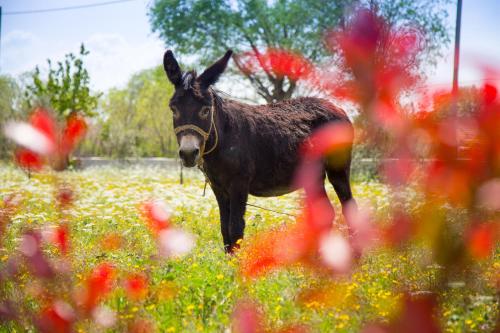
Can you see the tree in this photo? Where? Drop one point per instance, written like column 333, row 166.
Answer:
column 9, row 100
column 136, row 120
column 66, row 89
column 207, row 28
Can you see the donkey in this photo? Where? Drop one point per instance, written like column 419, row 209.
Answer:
column 245, row 149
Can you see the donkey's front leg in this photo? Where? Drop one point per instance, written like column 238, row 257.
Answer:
column 223, row 202
column 238, row 196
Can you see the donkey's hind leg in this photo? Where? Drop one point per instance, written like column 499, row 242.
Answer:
column 339, row 178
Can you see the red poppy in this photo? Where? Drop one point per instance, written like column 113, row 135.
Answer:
column 136, row 286
column 481, row 239
column 61, row 238
column 43, row 137
column 97, row 285
column 59, row 317
column 156, row 214
column 29, row 160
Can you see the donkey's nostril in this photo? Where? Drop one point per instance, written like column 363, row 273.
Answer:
column 189, row 153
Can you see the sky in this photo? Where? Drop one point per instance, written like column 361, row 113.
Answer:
column 121, row 42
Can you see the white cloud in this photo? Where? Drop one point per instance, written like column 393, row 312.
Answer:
column 19, row 51
column 113, row 59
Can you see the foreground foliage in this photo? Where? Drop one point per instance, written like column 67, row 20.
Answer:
column 198, row 292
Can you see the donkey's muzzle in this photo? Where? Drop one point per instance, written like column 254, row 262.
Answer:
column 189, row 150
column 189, row 157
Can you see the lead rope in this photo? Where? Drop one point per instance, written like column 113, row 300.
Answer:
column 200, row 166
column 247, row 203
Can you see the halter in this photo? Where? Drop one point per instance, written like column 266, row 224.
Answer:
column 205, row 135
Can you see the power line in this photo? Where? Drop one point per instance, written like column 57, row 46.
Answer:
column 48, row 10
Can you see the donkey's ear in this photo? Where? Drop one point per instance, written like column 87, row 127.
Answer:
column 172, row 68
column 212, row 73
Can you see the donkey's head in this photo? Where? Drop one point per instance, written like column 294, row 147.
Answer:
column 193, row 106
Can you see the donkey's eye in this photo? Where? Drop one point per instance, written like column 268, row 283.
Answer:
column 204, row 112
column 175, row 112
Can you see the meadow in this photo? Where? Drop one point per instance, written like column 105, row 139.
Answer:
column 197, row 293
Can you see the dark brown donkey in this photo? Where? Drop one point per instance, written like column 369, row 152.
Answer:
column 245, row 149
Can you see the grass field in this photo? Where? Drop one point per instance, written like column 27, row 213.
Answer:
column 197, row 293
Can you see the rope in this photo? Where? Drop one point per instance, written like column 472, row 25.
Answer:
column 207, row 181
column 270, row 210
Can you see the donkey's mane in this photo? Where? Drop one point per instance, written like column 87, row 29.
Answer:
column 188, row 79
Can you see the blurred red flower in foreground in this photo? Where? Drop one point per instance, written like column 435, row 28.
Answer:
column 97, row 285
column 156, row 214
column 61, row 238
column 462, row 169
column 136, row 286
column 310, row 238
column 279, row 62
column 482, row 239
column 377, row 57
column 42, row 138
column 417, row 315
column 31, row 248
column 59, row 317
column 172, row 241
column 28, row 159
column 248, row 318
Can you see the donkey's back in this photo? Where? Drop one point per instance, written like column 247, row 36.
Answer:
column 273, row 134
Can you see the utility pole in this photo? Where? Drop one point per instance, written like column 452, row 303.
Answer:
column 456, row 60
column 454, row 90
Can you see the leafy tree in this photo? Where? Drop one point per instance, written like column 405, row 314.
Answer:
column 208, row 27
column 136, row 120
column 66, row 88
column 468, row 102
column 9, row 100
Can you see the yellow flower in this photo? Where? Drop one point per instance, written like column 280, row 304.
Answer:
column 344, row 317
column 220, row 277
column 171, row 329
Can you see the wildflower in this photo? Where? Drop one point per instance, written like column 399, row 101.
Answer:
column 136, row 286
column 42, row 138
column 98, row 284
